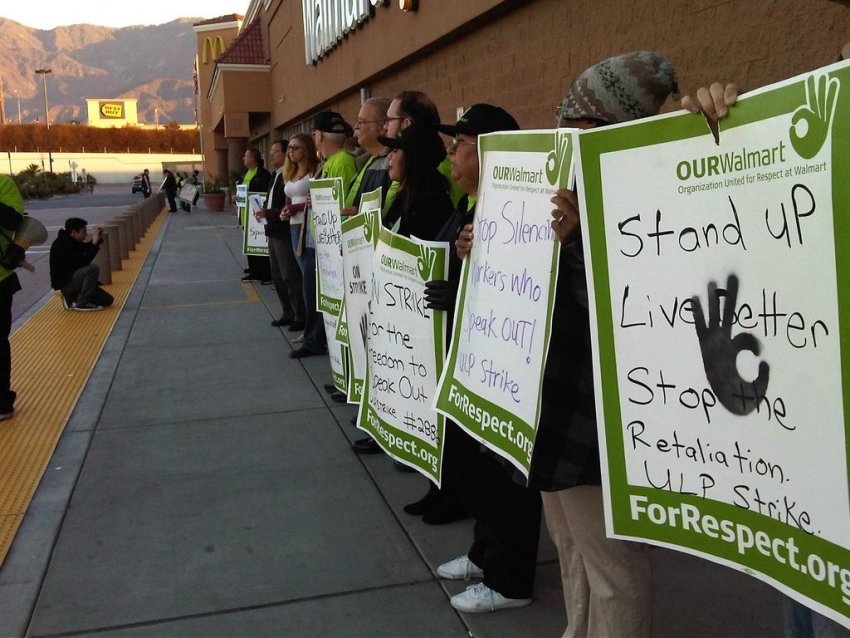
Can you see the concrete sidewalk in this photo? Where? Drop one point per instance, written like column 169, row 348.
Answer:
column 205, row 487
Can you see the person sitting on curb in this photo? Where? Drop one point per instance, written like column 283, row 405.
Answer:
column 71, row 269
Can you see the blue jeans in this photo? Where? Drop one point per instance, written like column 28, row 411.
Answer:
column 314, row 331
column 802, row 622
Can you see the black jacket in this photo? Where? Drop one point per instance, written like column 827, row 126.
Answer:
column 67, row 255
column 261, row 181
column 275, row 226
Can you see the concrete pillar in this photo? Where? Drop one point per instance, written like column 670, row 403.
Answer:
column 113, row 234
column 102, row 261
column 124, row 235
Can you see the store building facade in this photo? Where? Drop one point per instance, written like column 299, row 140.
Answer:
column 285, row 60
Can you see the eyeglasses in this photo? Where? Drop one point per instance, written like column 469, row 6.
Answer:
column 456, row 142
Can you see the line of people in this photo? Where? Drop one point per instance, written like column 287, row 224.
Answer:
column 430, row 192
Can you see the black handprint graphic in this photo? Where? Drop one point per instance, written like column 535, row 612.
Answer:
column 720, row 351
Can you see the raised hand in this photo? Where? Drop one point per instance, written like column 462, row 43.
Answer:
column 817, row 113
column 720, row 351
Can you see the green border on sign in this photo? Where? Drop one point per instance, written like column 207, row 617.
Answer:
column 440, row 267
column 243, row 211
column 761, row 105
column 520, row 456
column 326, row 303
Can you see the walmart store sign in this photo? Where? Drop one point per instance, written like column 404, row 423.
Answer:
column 326, row 22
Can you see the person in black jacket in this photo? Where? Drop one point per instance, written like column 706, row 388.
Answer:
column 422, row 204
column 286, row 273
column 169, row 185
column 11, row 216
column 258, row 180
column 71, row 269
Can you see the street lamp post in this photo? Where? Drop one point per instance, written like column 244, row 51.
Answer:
column 19, row 105
column 43, row 71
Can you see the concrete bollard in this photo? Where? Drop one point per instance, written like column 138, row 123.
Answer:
column 101, row 258
column 113, row 233
column 124, row 234
column 132, row 230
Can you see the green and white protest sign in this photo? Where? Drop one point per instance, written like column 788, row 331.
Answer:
column 406, row 350
column 242, row 202
column 254, row 241
column 719, row 313
column 326, row 198
column 359, row 236
column 491, row 384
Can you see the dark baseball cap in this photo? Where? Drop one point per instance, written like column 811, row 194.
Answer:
column 479, row 119
column 419, row 140
column 330, row 122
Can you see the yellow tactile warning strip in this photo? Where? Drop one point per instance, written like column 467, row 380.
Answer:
column 53, row 354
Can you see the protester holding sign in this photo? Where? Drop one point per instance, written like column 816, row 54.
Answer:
column 507, row 516
column 301, row 164
column 607, row 583
column 422, row 204
column 285, row 272
column 257, row 179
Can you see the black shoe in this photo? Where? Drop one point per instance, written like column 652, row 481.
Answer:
column 330, row 388
column 424, row 504
column 278, row 323
column 339, row 397
column 445, row 513
column 265, row 282
column 247, row 278
column 365, row 446
column 401, row 467
column 303, row 352
column 296, row 326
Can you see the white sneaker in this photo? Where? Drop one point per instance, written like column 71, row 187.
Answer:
column 461, row 568
column 479, row 598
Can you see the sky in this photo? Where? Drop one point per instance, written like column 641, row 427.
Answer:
column 122, row 13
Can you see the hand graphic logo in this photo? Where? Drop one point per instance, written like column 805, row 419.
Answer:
column 335, row 192
column 425, row 262
column 556, row 162
column 364, row 328
column 720, row 351
column 368, row 230
column 817, row 113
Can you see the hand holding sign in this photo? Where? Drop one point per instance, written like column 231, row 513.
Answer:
column 565, row 214
column 817, row 114
column 720, row 351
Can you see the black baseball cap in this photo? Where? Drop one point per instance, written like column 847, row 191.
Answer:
column 479, row 119
column 419, row 140
column 330, row 122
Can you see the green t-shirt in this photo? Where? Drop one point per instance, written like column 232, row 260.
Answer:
column 340, row 164
column 11, row 197
column 455, row 192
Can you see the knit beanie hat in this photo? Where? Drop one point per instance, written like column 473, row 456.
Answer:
column 620, row 89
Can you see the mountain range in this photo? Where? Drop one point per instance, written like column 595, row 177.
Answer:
column 151, row 63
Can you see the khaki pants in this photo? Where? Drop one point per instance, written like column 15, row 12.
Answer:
column 607, row 583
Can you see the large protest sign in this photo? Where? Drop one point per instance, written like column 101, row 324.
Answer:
column 406, row 350
column 719, row 312
column 359, row 236
column 326, row 203
column 491, row 382
column 254, row 240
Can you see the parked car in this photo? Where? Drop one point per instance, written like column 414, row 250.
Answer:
column 137, row 184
